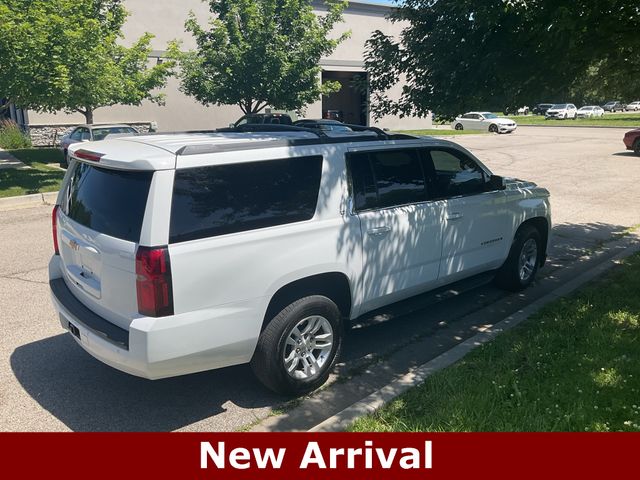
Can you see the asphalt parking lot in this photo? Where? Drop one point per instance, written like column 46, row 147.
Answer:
column 48, row 383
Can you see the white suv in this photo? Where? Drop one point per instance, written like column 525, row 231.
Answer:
column 562, row 111
column 181, row 253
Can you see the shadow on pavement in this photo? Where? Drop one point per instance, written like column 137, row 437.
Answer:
column 87, row 395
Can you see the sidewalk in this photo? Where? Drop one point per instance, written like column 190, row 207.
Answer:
column 9, row 161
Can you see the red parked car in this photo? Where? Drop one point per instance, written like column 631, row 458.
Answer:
column 632, row 140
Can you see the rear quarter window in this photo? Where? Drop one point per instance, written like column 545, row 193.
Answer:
column 107, row 201
column 222, row 199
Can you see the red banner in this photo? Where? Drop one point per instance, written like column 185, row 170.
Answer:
column 318, row 456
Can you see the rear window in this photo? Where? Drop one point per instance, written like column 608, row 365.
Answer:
column 111, row 202
column 222, row 199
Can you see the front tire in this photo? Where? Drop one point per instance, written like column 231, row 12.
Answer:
column 522, row 264
column 299, row 347
column 636, row 147
column 493, row 128
column 459, row 127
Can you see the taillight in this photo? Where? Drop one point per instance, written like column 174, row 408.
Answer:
column 87, row 155
column 153, row 282
column 54, row 228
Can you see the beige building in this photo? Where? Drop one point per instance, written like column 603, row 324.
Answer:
column 165, row 19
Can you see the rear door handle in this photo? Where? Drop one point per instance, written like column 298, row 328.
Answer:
column 455, row 216
column 379, row 231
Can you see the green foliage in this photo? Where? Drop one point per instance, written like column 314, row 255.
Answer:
column 12, row 137
column 64, row 55
column 572, row 367
column 458, row 55
column 260, row 52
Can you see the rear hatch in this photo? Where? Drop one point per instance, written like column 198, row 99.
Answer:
column 99, row 224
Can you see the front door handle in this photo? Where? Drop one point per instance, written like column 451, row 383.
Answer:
column 455, row 216
column 379, row 231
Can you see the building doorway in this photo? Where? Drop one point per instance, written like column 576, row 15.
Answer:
column 349, row 105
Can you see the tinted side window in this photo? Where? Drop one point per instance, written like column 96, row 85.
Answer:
column 456, row 174
column 387, row 179
column 222, row 199
column 77, row 134
column 365, row 193
column 108, row 201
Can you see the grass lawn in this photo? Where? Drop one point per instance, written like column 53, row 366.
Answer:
column 610, row 120
column 441, row 132
column 575, row 366
column 41, row 177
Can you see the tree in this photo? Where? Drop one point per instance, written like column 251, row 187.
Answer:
column 458, row 55
column 260, row 52
column 64, row 55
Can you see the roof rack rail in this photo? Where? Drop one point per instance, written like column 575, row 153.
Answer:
column 269, row 128
column 322, row 138
column 266, row 127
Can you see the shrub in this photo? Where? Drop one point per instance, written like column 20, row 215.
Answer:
column 11, row 137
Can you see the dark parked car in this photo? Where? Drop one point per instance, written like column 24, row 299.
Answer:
column 541, row 108
column 632, row 140
column 324, row 125
column 263, row 118
column 615, row 107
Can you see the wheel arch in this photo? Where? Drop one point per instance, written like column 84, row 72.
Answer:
column 541, row 224
column 333, row 285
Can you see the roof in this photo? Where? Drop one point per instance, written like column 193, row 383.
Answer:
column 106, row 125
column 159, row 152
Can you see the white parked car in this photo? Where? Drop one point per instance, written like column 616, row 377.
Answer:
column 634, row 106
column 562, row 111
column 182, row 253
column 590, row 111
column 485, row 121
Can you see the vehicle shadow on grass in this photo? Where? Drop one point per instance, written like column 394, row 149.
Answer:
column 87, row 395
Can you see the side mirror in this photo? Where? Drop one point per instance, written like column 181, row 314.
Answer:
column 495, row 183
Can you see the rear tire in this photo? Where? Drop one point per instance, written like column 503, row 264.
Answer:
column 65, row 159
column 293, row 356
column 636, row 147
column 523, row 262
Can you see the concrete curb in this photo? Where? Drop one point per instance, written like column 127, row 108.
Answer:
column 24, row 201
column 371, row 403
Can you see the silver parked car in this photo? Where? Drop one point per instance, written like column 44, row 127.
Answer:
column 92, row 133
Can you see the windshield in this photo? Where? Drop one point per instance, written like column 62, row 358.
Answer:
column 101, row 133
column 559, row 106
column 489, row 115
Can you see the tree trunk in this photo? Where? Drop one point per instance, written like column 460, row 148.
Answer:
column 88, row 115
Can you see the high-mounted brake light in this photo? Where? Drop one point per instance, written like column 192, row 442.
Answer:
column 87, row 155
column 54, row 228
column 153, row 282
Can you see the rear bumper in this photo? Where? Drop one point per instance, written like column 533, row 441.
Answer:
column 156, row 348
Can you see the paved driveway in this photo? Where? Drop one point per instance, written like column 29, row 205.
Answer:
column 49, row 383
